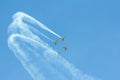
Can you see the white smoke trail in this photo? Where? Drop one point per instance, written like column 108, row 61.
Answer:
column 46, row 37
column 36, row 56
column 21, row 15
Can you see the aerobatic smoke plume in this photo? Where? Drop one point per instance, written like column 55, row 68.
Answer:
column 36, row 56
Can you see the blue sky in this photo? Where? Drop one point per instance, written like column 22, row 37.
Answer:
column 91, row 29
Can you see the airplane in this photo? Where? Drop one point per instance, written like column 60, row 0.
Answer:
column 62, row 38
column 58, row 53
column 55, row 42
column 65, row 48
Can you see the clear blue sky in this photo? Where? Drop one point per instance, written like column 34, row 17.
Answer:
column 91, row 27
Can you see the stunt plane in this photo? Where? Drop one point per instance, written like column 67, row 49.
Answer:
column 55, row 42
column 58, row 53
column 62, row 38
column 65, row 48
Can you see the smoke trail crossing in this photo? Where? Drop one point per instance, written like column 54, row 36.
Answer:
column 36, row 56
